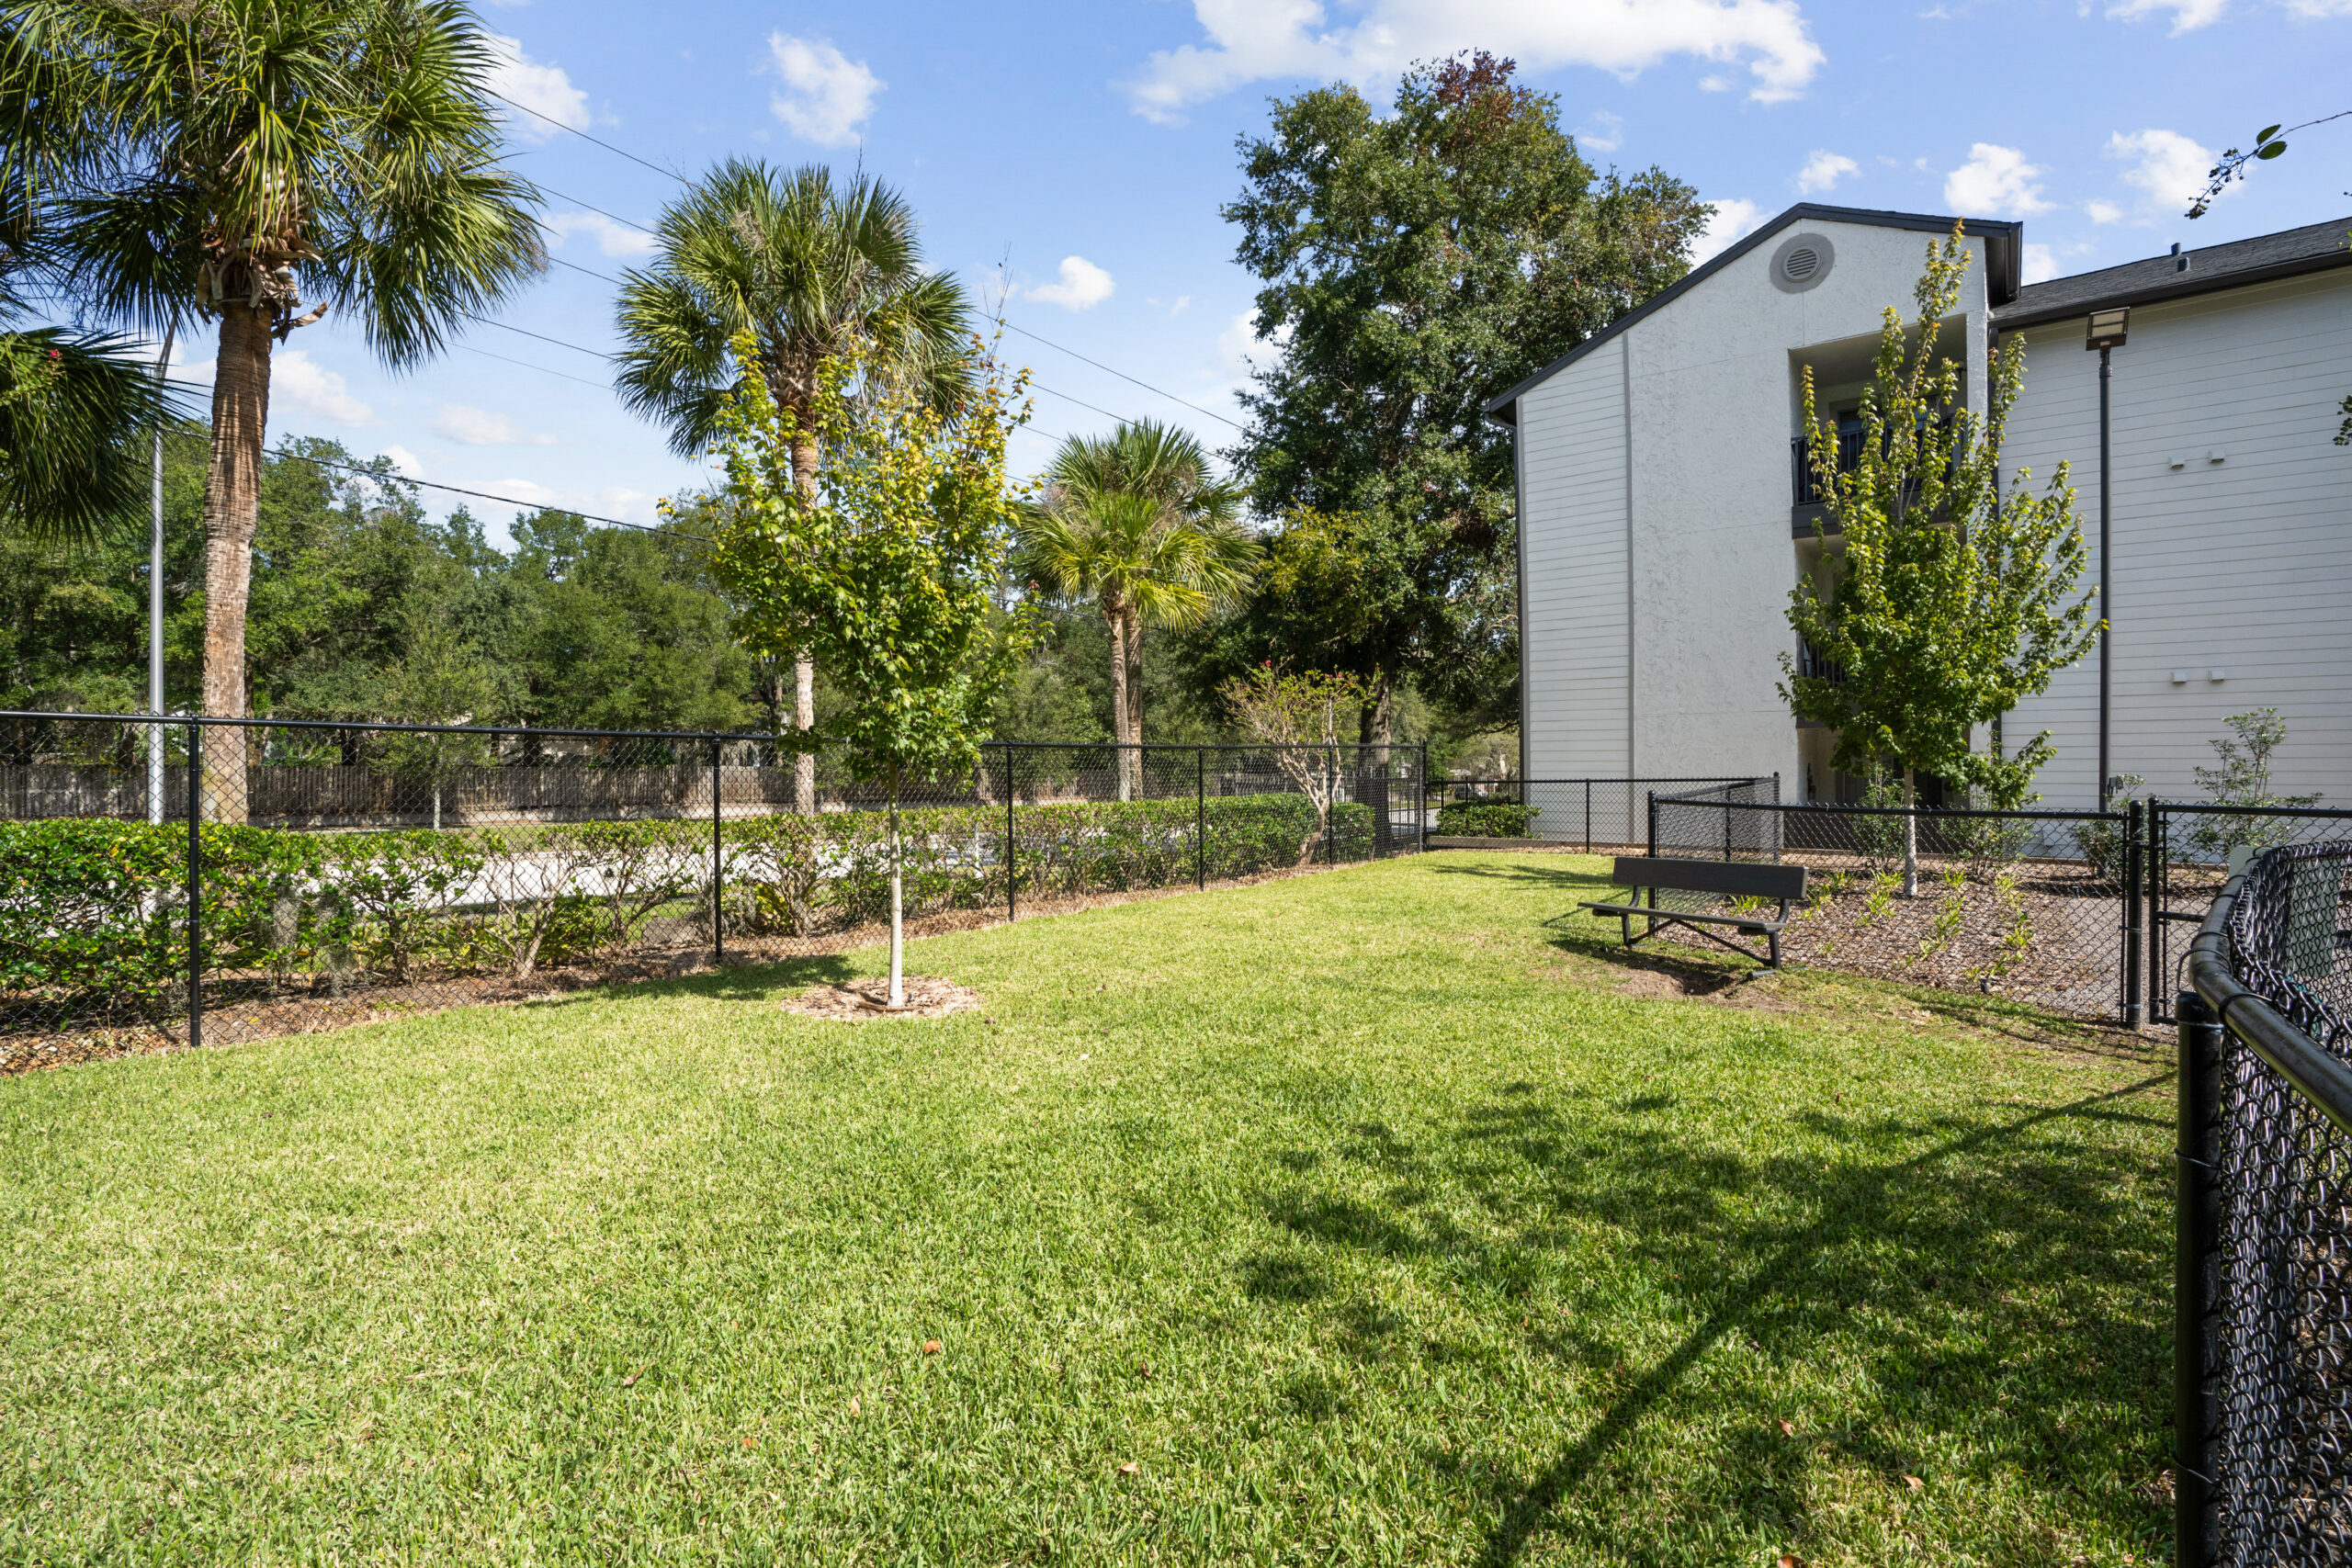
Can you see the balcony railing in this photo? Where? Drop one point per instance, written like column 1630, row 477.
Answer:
column 1808, row 488
column 1811, row 665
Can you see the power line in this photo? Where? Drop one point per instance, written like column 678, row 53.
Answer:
column 585, row 137
column 681, row 179
column 459, row 490
column 526, row 332
column 563, row 375
column 1122, row 374
column 591, row 272
column 597, row 210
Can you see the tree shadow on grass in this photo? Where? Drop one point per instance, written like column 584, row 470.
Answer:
column 733, row 983
column 1954, row 1276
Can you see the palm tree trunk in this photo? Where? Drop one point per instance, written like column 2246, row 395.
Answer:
column 231, row 508
column 1115, row 618
column 898, row 906
column 1134, row 705
column 803, row 672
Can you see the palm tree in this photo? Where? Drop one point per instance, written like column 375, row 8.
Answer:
column 226, row 159
column 808, row 270
column 74, row 410
column 1134, row 521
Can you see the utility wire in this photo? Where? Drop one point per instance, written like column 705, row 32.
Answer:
column 999, row 319
column 1122, row 374
column 585, row 137
column 526, row 332
column 597, row 210
column 563, row 374
column 460, row 489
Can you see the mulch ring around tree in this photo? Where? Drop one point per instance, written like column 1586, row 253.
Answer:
column 861, row 1001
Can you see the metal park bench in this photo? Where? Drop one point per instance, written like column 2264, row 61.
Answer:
column 1715, row 879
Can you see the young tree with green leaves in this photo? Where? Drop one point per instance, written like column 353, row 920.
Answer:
column 1305, row 719
column 1137, row 522
column 1947, row 602
column 809, row 270
column 1413, row 263
column 886, row 566
column 230, row 160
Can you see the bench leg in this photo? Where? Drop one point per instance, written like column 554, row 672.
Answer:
column 1626, row 928
column 1775, row 937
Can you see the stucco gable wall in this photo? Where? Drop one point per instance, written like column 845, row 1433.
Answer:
column 1709, row 393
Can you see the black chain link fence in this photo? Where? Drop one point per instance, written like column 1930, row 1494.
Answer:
column 2193, row 850
column 1595, row 815
column 187, row 881
column 2263, row 1416
column 2032, row 906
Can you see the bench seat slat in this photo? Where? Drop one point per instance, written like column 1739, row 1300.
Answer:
column 1737, row 878
column 1746, row 923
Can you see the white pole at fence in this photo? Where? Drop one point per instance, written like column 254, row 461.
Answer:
column 156, row 608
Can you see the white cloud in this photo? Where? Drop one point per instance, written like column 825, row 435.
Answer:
column 1253, row 40
column 542, row 88
column 293, row 378
column 613, row 238
column 2103, row 211
column 2166, row 168
column 1606, row 134
column 1995, row 182
column 1823, row 171
column 2039, row 264
column 1239, row 349
column 405, row 461
column 1733, row 221
column 1083, row 286
column 2187, row 15
column 470, row 426
column 827, row 96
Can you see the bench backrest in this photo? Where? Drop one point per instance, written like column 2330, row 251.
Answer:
column 1736, row 878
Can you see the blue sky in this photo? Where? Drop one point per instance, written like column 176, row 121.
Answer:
column 1075, row 155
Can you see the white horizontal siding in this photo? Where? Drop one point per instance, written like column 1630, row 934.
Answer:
column 2245, row 565
column 1572, row 514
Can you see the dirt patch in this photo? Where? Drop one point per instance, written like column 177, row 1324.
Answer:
column 861, row 1001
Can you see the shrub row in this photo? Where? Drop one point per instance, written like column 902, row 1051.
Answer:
column 1476, row 819
column 97, row 908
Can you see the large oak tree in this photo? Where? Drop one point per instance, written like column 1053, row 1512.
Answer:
column 1414, row 263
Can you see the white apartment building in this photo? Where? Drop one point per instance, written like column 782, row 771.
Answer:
column 1663, row 515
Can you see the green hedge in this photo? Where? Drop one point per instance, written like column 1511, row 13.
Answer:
column 93, row 912
column 1477, row 819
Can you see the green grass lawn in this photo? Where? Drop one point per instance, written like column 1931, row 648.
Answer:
column 1356, row 1218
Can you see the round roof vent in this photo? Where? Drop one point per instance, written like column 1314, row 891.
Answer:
column 1803, row 261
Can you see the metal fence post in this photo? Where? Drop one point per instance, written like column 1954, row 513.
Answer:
column 1011, row 845
column 2135, row 823
column 1331, row 814
column 718, row 934
column 1201, row 818
column 195, row 884
column 1588, row 816
column 2195, row 1231
column 1423, row 815
column 2151, row 877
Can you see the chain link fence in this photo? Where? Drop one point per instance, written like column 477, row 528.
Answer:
column 168, row 882
column 2263, row 1400
column 2033, row 905
column 2193, row 850
column 1596, row 816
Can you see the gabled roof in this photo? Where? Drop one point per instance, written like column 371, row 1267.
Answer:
column 2002, row 246
column 2233, row 265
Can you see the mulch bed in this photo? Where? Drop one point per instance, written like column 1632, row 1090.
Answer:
column 233, row 1018
column 862, row 1001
